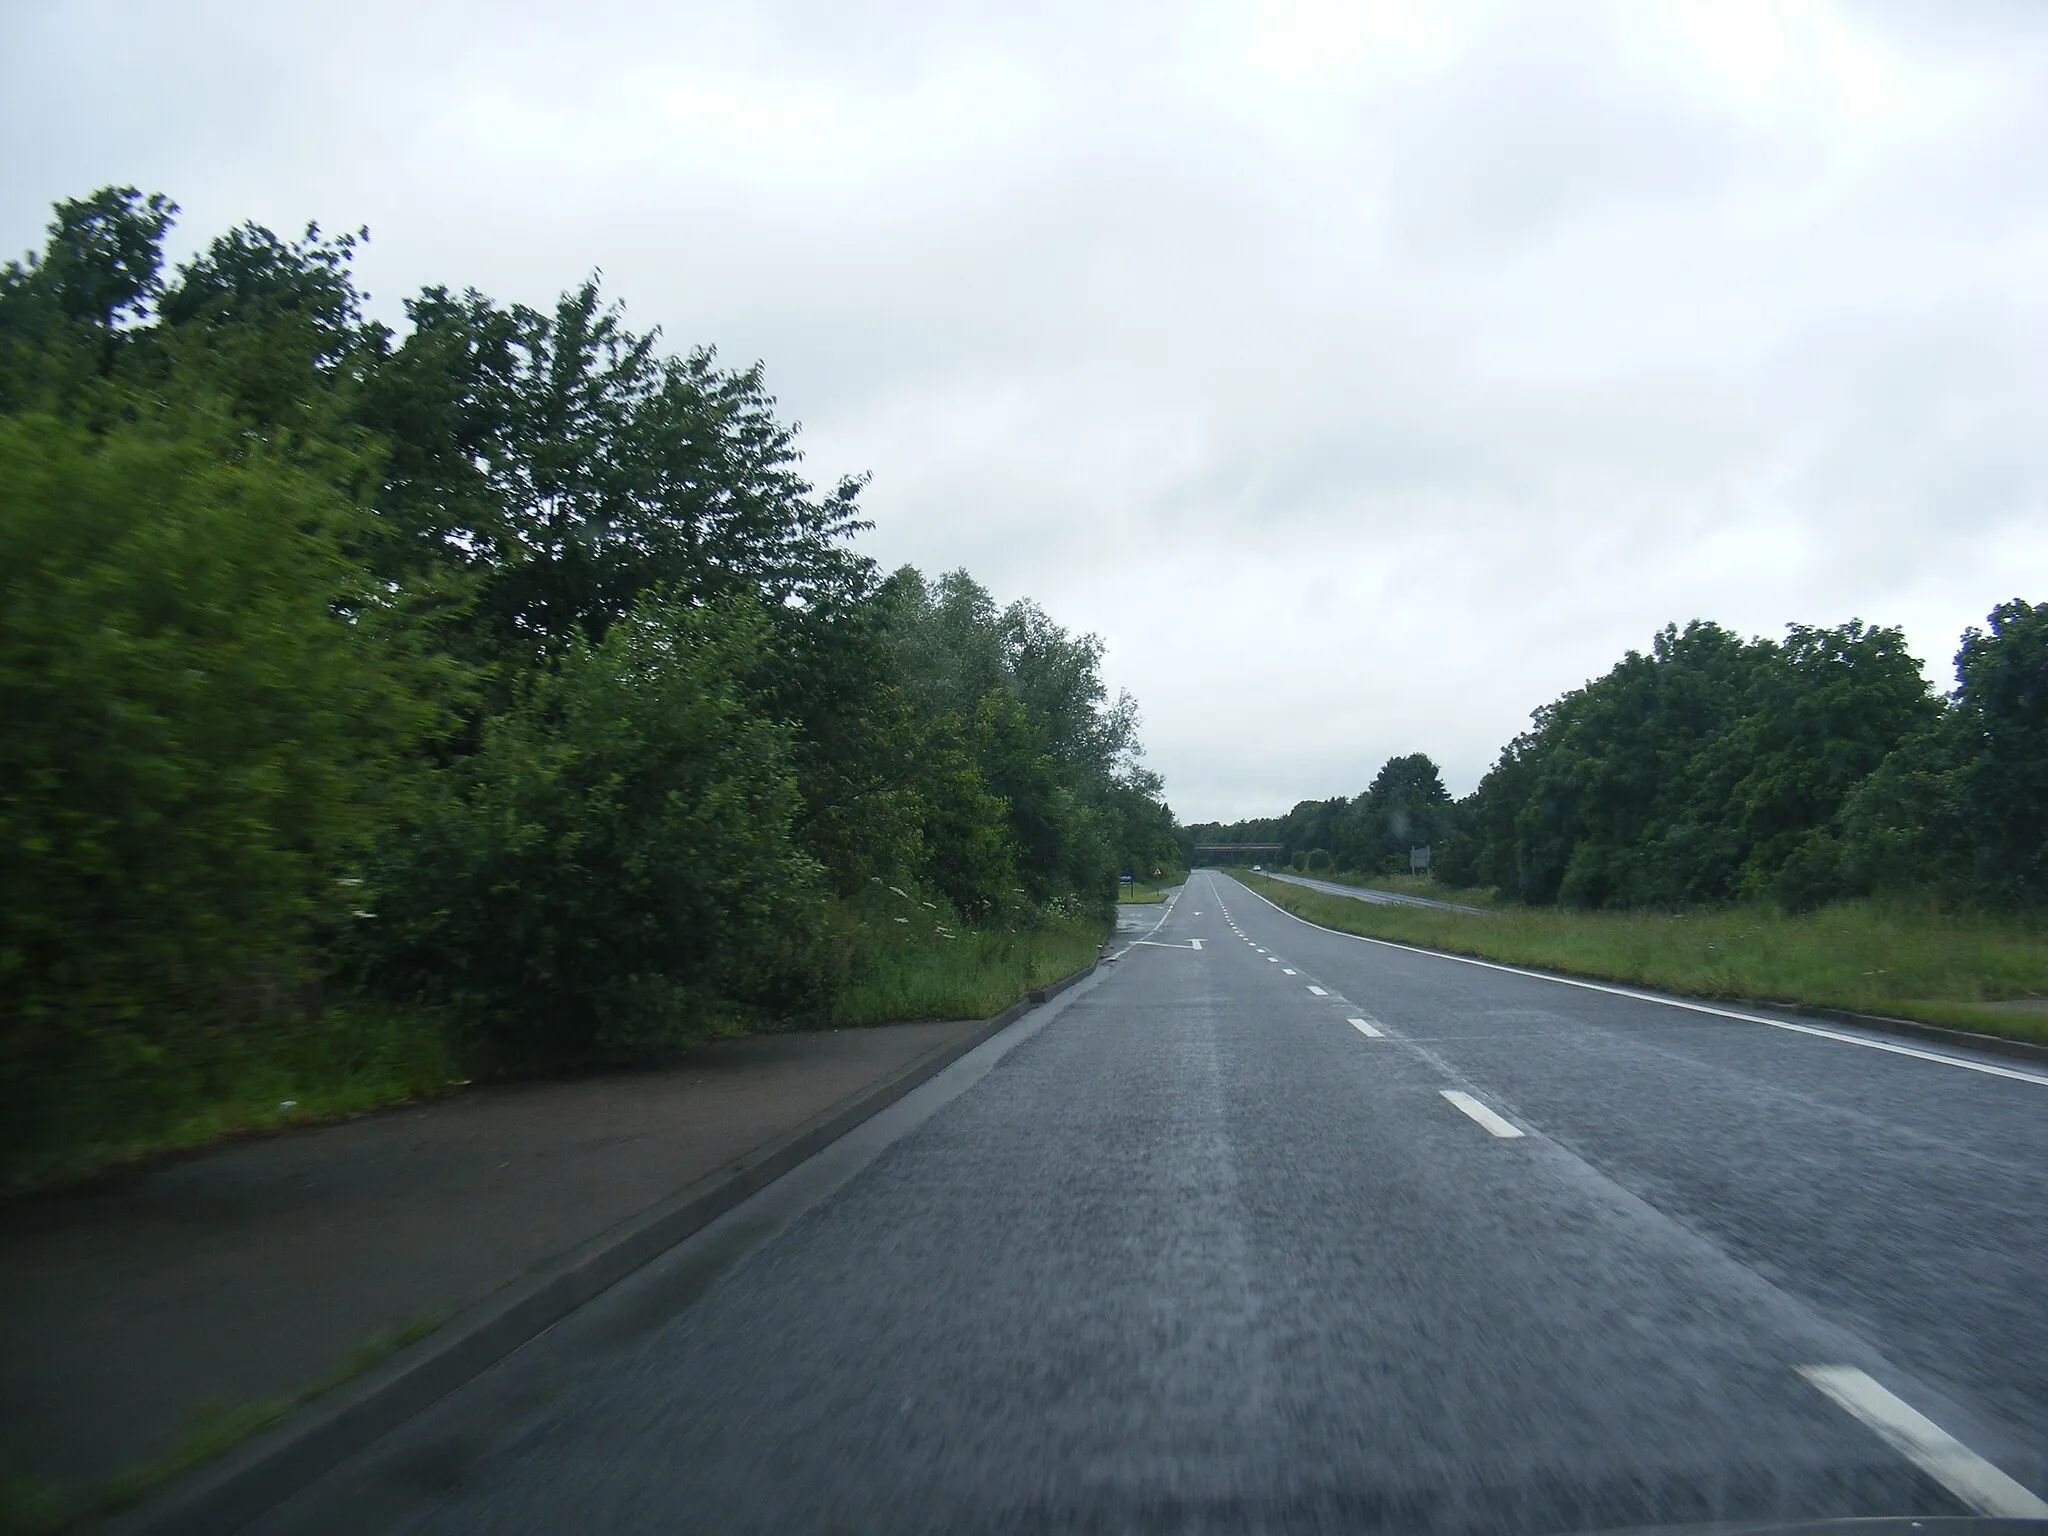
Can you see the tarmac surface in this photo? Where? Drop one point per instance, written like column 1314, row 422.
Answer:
column 247, row 1274
column 1367, row 893
column 1294, row 1231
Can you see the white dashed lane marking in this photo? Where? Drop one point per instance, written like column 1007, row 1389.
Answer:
column 1478, row 1111
column 1319, row 992
column 1366, row 1028
column 1926, row 1444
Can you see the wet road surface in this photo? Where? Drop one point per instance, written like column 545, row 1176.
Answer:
column 1294, row 1231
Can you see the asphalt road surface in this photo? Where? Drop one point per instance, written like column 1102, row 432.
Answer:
column 1210, row 1246
column 1369, row 894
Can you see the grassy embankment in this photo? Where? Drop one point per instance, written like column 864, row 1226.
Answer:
column 1145, row 893
column 909, row 961
column 1964, row 970
column 904, row 959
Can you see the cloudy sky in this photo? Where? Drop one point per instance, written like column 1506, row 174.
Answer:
column 1365, row 374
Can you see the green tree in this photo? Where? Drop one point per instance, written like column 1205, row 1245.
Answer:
column 199, row 743
column 614, row 868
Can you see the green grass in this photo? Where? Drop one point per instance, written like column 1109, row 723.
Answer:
column 971, row 975
column 907, row 958
column 212, row 1429
column 352, row 1057
column 1964, row 970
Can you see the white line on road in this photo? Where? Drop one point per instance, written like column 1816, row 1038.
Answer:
column 1481, row 1113
column 1288, row 970
column 1319, row 992
column 1675, row 1002
column 1367, row 1028
column 1195, row 943
column 1271, row 959
column 1926, row 1444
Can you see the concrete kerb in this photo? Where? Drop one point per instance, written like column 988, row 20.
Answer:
column 1876, row 1023
column 228, row 1493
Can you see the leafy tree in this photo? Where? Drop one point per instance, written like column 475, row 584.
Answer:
column 198, row 746
column 615, row 867
column 1406, row 804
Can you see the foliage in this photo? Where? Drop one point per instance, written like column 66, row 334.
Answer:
column 614, row 864
column 506, row 682
column 199, row 747
column 1715, row 769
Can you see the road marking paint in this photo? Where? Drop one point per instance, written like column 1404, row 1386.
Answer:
column 1481, row 1113
column 1288, row 970
column 1366, row 1028
column 1195, row 943
column 1271, row 959
column 1319, row 992
column 1676, row 1002
column 1926, row 1444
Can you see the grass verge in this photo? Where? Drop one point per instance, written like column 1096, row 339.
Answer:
column 908, row 961
column 1963, row 970
column 1143, row 894
column 30, row 1509
column 354, row 1056
column 904, row 958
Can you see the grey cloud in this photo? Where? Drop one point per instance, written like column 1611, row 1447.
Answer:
column 1364, row 388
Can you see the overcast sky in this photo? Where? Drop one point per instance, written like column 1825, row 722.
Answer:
column 1365, row 374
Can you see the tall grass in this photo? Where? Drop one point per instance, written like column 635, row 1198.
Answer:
column 907, row 960
column 1909, row 961
column 295, row 1069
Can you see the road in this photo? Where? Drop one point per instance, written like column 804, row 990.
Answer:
column 1369, row 894
column 1195, row 1251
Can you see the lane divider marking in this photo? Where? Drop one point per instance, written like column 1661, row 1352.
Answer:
column 1367, row 1028
column 1985, row 1067
column 1504, row 1129
column 1926, row 1444
column 1288, row 970
column 1319, row 992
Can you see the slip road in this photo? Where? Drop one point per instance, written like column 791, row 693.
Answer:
column 1297, row 1231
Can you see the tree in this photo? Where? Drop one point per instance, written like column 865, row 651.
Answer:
column 200, row 743
column 614, row 867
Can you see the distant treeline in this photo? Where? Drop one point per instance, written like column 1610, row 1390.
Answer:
column 1718, row 769
column 509, row 669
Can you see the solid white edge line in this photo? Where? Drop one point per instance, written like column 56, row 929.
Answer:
column 1366, row 1028
column 1504, row 1129
column 1674, row 1002
column 1926, row 1444
column 1319, row 992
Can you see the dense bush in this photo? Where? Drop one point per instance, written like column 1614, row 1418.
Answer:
column 615, row 861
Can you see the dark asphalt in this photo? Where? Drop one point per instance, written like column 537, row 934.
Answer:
column 1198, row 1255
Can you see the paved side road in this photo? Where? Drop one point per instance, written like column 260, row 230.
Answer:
column 1366, row 893
column 1297, row 1232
